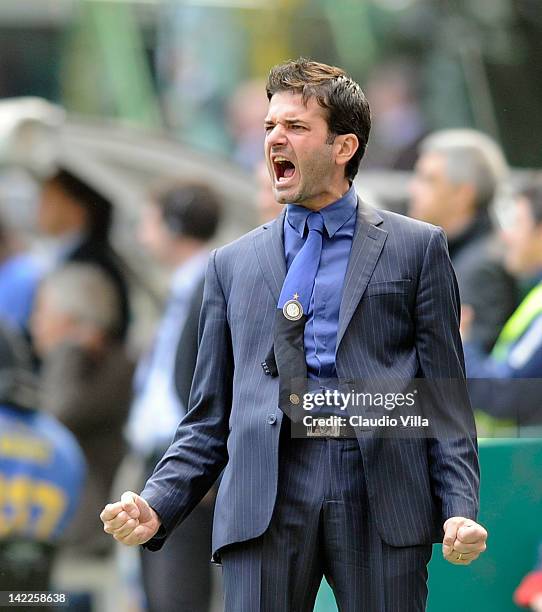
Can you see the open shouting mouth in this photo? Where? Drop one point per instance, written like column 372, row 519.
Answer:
column 285, row 170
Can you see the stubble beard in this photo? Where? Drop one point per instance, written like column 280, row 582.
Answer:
column 316, row 180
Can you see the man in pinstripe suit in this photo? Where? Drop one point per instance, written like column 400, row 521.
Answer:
column 362, row 511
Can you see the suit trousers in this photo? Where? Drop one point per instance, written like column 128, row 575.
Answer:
column 321, row 526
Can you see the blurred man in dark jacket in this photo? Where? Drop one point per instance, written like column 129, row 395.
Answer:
column 79, row 219
column 457, row 176
column 177, row 224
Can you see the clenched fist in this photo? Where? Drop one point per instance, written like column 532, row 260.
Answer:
column 131, row 520
column 464, row 540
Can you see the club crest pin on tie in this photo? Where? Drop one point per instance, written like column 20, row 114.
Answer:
column 292, row 309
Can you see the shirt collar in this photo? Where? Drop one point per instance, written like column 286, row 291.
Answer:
column 335, row 214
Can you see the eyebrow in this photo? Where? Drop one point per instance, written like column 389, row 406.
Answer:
column 294, row 120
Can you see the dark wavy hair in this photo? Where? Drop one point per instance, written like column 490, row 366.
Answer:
column 346, row 105
column 189, row 208
column 98, row 207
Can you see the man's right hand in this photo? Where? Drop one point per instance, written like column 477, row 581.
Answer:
column 130, row 521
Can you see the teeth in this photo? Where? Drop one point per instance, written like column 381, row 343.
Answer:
column 280, row 159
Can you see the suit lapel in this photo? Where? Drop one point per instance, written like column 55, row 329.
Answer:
column 367, row 245
column 269, row 246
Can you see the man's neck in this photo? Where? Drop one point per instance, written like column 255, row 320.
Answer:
column 327, row 198
column 455, row 226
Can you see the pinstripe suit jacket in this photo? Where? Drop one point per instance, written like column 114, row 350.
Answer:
column 398, row 318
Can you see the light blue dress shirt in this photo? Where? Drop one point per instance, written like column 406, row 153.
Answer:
column 157, row 408
column 320, row 335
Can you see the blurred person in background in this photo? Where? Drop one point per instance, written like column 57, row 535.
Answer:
column 79, row 219
column 41, row 474
column 268, row 207
column 246, row 113
column 517, row 354
column 86, row 381
column 176, row 227
column 19, row 278
column 507, row 383
column 456, row 178
column 398, row 123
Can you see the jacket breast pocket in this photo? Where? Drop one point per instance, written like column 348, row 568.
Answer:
column 401, row 286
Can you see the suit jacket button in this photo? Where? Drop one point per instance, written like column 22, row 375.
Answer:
column 271, row 419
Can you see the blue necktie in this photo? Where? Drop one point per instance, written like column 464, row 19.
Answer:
column 299, row 282
column 287, row 357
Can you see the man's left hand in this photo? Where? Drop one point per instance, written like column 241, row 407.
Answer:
column 464, row 540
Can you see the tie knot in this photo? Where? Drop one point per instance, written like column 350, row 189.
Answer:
column 315, row 221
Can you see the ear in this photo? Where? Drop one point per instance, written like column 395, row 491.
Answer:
column 346, row 146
